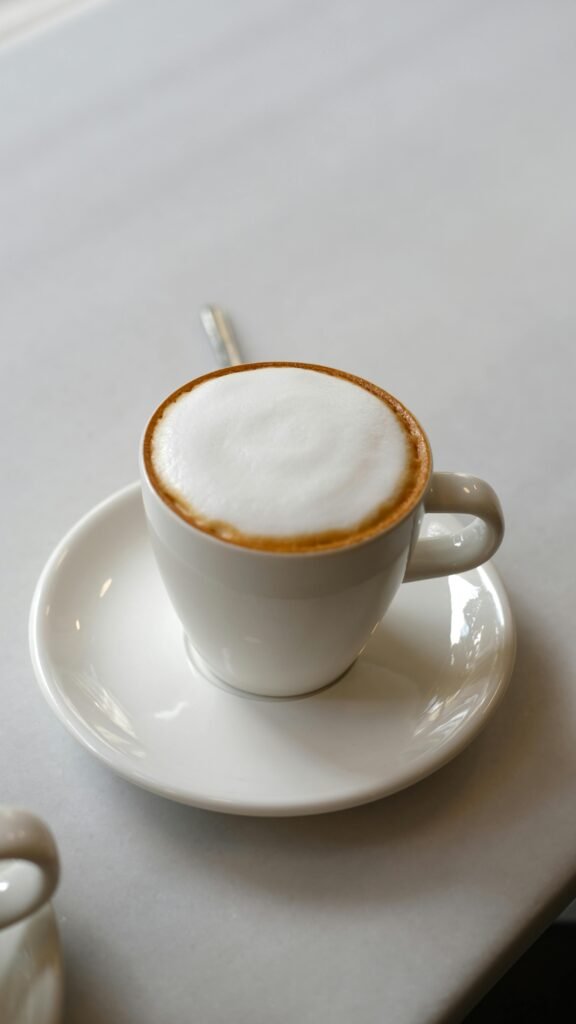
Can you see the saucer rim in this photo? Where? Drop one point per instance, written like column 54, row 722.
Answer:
column 288, row 807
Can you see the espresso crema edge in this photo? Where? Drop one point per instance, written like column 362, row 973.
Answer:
column 388, row 514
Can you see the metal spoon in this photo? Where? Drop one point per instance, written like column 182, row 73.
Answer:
column 221, row 336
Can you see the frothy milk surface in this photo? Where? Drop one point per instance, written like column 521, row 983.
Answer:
column 280, row 452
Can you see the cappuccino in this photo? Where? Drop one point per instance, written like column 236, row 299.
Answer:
column 286, row 457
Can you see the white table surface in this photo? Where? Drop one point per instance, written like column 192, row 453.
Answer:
column 385, row 187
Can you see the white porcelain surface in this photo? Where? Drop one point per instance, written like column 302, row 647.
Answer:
column 282, row 625
column 29, row 864
column 30, row 963
column 31, row 975
column 109, row 655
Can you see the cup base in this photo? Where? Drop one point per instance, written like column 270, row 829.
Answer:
column 200, row 666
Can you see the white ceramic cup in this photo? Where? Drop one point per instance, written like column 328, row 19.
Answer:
column 29, row 865
column 282, row 624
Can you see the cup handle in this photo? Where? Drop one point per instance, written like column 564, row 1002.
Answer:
column 464, row 549
column 26, row 838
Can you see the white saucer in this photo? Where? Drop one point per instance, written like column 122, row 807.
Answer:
column 31, row 971
column 109, row 655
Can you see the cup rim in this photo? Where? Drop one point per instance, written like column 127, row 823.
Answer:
column 369, row 534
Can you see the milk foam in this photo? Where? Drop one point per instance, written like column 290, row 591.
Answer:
column 280, row 452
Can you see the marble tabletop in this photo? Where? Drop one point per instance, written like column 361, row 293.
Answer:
column 387, row 188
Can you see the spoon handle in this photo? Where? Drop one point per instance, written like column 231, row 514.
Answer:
column 221, row 336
